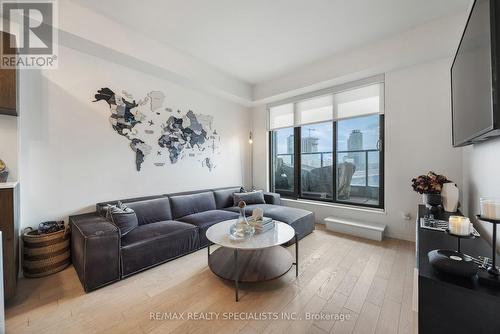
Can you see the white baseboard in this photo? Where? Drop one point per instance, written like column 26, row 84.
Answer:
column 371, row 231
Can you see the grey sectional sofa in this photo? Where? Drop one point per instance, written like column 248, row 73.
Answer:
column 170, row 226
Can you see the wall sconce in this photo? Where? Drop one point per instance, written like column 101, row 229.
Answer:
column 250, row 138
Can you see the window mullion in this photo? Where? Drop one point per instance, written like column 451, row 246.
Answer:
column 271, row 161
column 381, row 167
column 334, row 161
column 297, row 163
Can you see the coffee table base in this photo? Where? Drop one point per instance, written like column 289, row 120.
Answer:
column 253, row 265
column 241, row 265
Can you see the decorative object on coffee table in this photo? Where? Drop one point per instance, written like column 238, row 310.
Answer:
column 241, row 229
column 256, row 259
column 262, row 225
column 45, row 254
column 4, row 172
column 257, row 214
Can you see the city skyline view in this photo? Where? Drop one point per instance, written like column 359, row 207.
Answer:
column 367, row 125
column 357, row 140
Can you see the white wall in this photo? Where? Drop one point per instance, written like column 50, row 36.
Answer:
column 481, row 179
column 120, row 40
column 71, row 158
column 8, row 144
column 417, row 139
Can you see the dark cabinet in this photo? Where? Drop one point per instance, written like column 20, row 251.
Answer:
column 8, row 85
column 9, row 225
column 451, row 304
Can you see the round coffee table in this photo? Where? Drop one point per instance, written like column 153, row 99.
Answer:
column 256, row 259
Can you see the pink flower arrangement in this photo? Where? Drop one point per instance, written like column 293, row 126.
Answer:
column 431, row 183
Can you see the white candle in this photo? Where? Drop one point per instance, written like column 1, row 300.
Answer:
column 459, row 225
column 490, row 208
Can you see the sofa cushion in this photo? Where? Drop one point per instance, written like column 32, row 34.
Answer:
column 272, row 198
column 101, row 207
column 224, row 197
column 151, row 210
column 154, row 243
column 123, row 217
column 252, row 197
column 249, row 208
column 204, row 220
column 183, row 205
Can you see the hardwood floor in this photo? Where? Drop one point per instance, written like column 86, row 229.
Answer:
column 365, row 286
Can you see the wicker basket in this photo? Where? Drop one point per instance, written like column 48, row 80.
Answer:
column 45, row 254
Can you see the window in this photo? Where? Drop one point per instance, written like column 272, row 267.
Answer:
column 358, row 160
column 331, row 148
column 283, row 160
column 316, row 160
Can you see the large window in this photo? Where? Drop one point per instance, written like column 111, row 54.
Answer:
column 316, row 160
column 284, row 160
column 330, row 147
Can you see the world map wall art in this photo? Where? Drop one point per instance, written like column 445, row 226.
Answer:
column 160, row 134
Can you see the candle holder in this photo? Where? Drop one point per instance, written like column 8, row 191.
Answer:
column 459, row 237
column 492, row 270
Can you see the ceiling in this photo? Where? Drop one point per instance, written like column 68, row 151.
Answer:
column 259, row 40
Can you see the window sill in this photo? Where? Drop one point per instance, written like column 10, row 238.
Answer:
column 335, row 205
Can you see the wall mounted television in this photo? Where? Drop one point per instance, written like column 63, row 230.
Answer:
column 475, row 77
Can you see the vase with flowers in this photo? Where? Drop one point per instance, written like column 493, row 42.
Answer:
column 430, row 186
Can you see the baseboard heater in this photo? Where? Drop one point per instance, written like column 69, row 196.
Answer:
column 371, row 231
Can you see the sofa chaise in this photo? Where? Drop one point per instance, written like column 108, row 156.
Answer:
column 169, row 226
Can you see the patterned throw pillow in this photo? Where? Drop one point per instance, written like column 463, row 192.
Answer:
column 123, row 217
column 252, row 197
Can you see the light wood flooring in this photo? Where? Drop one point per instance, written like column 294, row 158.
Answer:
column 369, row 283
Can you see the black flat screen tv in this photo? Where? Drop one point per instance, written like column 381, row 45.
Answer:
column 475, row 75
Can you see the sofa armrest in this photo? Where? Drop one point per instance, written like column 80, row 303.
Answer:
column 272, row 198
column 95, row 250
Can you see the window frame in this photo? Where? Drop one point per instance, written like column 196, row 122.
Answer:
column 296, row 193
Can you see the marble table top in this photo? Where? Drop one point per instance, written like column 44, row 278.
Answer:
column 280, row 234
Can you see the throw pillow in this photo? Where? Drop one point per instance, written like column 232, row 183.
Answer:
column 253, row 197
column 123, row 217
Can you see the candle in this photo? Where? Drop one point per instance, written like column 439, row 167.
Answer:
column 459, row 225
column 490, row 208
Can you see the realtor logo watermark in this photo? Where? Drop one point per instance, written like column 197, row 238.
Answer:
column 29, row 38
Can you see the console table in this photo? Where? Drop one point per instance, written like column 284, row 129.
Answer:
column 450, row 304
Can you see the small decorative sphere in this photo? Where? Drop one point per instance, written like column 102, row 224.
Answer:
column 2, row 166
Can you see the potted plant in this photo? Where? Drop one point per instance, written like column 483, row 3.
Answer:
column 430, row 186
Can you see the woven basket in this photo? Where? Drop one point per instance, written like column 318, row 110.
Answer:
column 45, row 254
